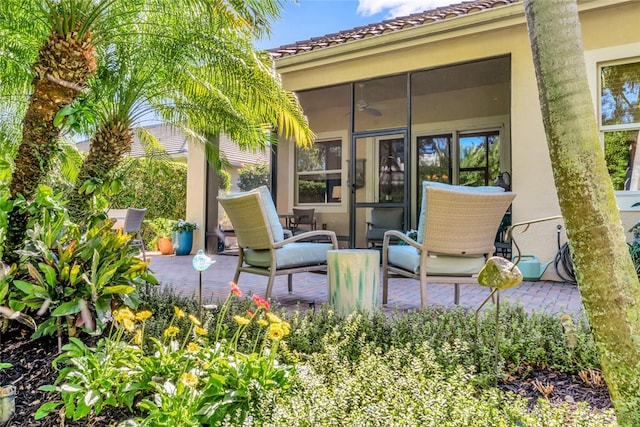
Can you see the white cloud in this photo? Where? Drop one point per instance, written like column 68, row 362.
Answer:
column 400, row 7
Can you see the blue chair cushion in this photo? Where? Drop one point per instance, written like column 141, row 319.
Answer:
column 462, row 188
column 408, row 258
column 296, row 254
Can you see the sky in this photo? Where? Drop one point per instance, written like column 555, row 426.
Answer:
column 314, row 18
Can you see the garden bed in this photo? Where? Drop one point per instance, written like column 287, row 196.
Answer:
column 32, row 368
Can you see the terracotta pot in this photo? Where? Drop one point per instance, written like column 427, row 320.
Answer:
column 165, row 245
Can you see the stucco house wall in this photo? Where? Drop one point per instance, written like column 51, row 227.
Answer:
column 609, row 29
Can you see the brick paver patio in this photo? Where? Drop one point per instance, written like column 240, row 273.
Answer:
column 309, row 288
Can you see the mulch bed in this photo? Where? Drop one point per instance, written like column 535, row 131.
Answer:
column 560, row 388
column 32, row 369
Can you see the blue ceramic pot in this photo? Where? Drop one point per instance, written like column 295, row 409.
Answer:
column 182, row 242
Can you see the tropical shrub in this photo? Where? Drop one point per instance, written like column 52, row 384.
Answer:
column 224, row 180
column 76, row 276
column 253, row 176
column 158, row 186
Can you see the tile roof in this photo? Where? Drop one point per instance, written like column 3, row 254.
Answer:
column 388, row 26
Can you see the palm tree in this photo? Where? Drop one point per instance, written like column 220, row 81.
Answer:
column 606, row 275
column 66, row 61
column 200, row 73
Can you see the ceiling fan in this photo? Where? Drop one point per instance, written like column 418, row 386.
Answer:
column 363, row 105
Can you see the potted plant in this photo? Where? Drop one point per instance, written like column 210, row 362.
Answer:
column 183, row 236
column 162, row 227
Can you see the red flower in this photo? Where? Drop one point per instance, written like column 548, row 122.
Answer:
column 250, row 313
column 261, row 302
column 235, row 289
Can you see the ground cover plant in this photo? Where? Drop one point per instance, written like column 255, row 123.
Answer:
column 408, row 368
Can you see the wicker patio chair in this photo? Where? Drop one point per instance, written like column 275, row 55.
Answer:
column 133, row 225
column 263, row 248
column 456, row 233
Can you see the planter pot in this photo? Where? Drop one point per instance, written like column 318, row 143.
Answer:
column 7, row 402
column 182, row 242
column 165, row 245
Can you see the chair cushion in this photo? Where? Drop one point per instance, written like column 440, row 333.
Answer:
column 376, row 233
column 296, row 254
column 272, row 213
column 389, row 218
column 461, row 188
column 408, row 258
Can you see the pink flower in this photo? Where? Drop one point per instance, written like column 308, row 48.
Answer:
column 261, row 302
column 235, row 289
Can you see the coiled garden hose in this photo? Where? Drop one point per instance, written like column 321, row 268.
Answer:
column 564, row 262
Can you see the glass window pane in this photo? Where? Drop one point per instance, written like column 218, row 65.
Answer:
column 434, row 158
column 391, row 163
column 494, row 156
column 473, row 151
column 319, row 188
column 619, row 96
column 473, row 178
column 322, row 155
column 622, row 157
column 322, row 186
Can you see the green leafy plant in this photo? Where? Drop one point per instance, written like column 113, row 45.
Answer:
column 180, row 379
column 182, row 225
column 76, row 276
column 253, row 176
column 162, row 227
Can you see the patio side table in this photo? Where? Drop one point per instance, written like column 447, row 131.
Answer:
column 353, row 277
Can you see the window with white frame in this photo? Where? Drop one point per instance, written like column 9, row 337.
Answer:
column 620, row 122
column 319, row 173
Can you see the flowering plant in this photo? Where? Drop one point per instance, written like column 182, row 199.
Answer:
column 183, row 380
column 182, row 225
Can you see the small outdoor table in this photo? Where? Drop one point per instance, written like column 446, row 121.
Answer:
column 353, row 277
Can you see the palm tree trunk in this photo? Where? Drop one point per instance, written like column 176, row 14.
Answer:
column 111, row 141
column 63, row 66
column 606, row 275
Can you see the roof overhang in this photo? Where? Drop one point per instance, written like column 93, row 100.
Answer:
column 465, row 25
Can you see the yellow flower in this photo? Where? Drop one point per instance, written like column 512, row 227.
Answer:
column 194, row 320
column 178, row 312
column 143, row 315
column 262, row 322
column 129, row 325
column 122, row 313
column 137, row 338
column 275, row 332
column 242, row 321
column 189, row 379
column 200, row 331
column 273, row 318
column 192, row 347
column 286, row 328
column 171, row 331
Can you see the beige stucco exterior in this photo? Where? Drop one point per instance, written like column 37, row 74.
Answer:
column 609, row 33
